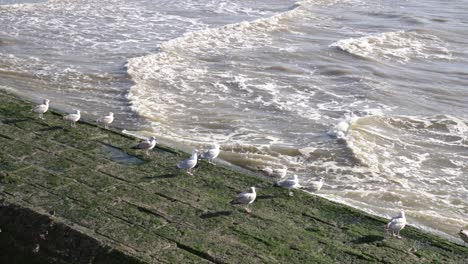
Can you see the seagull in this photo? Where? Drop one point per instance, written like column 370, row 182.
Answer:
column 464, row 235
column 211, row 153
column 245, row 198
column 106, row 120
column 277, row 173
column 73, row 118
column 315, row 186
column 42, row 108
column 396, row 224
column 189, row 163
column 290, row 183
column 147, row 144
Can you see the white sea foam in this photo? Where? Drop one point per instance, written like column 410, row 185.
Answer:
column 401, row 46
column 188, row 63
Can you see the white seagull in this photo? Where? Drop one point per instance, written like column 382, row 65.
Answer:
column 42, row 108
column 464, row 235
column 211, row 153
column 106, row 120
column 290, row 183
column 147, row 144
column 316, row 185
column 396, row 224
column 189, row 163
column 73, row 118
column 277, row 173
column 245, row 198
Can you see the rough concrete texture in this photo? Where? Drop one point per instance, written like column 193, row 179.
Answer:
column 83, row 195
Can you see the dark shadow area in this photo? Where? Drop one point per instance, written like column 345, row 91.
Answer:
column 14, row 121
column 215, row 214
column 119, row 156
column 164, row 176
column 6, row 137
column 50, row 129
column 312, row 229
column 368, row 239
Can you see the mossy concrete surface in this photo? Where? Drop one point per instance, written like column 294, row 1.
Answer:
column 83, row 195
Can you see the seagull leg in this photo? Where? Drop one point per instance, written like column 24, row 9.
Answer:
column 247, row 209
column 189, row 172
column 291, row 193
column 398, row 234
column 387, row 232
column 41, row 116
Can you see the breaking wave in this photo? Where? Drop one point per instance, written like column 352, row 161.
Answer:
column 401, row 46
column 194, row 64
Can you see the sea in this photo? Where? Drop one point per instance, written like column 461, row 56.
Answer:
column 372, row 95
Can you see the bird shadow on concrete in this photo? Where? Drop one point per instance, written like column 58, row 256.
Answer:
column 368, row 239
column 163, row 176
column 215, row 214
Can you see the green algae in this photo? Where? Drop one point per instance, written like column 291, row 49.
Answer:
column 103, row 202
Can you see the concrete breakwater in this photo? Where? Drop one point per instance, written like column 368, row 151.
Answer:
column 83, row 195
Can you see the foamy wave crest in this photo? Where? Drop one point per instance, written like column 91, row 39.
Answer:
column 21, row 4
column 341, row 129
column 190, row 62
column 177, row 52
column 399, row 145
column 401, row 46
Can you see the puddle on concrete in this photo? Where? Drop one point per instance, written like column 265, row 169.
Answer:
column 119, row 156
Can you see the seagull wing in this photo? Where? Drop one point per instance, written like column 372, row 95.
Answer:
column 289, row 183
column 316, row 185
column 145, row 144
column 106, row 119
column 243, row 198
column 40, row 108
column 464, row 235
column 187, row 164
column 279, row 172
column 397, row 223
column 210, row 154
column 72, row 117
